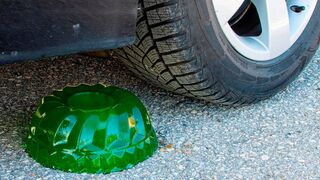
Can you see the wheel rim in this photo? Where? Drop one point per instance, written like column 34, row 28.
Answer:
column 280, row 24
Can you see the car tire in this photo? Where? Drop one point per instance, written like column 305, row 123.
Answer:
column 181, row 47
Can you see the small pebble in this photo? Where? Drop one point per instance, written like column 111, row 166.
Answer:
column 265, row 157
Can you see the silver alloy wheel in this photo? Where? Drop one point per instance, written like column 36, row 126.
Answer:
column 281, row 26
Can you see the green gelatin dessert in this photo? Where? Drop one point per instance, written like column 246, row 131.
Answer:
column 92, row 129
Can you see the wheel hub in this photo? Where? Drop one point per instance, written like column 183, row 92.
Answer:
column 262, row 30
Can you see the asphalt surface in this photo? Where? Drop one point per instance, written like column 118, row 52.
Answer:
column 276, row 138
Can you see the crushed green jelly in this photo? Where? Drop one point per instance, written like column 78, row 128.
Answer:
column 92, row 129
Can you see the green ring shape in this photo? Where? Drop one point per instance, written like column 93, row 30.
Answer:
column 91, row 129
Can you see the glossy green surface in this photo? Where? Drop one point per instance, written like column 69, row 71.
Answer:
column 93, row 129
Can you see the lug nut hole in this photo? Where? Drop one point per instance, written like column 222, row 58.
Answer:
column 297, row 9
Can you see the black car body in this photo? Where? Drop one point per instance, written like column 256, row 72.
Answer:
column 32, row 29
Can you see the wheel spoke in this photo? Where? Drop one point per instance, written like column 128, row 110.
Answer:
column 281, row 25
column 226, row 9
column 275, row 25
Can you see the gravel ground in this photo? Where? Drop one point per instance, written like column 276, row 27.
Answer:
column 277, row 138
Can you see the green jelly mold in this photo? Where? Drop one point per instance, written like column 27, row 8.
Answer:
column 92, row 129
